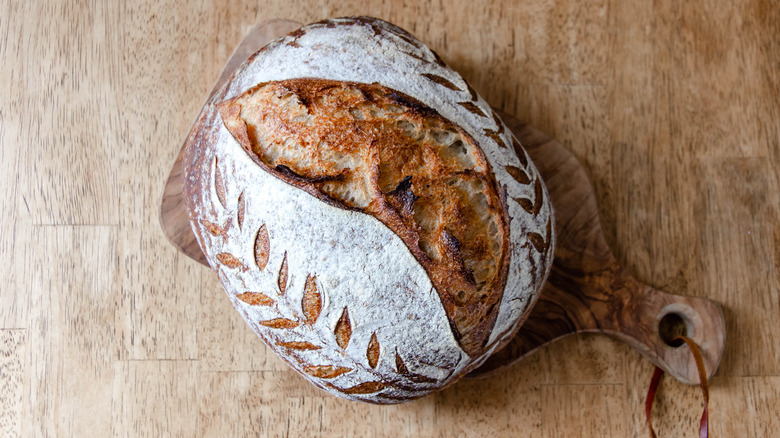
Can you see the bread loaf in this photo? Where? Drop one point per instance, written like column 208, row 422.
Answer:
column 367, row 213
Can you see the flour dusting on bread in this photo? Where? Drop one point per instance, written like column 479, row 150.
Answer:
column 365, row 210
column 376, row 150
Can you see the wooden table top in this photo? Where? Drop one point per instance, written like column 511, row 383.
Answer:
column 105, row 330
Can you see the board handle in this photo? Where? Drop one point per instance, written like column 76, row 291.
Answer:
column 613, row 302
column 649, row 319
column 583, row 296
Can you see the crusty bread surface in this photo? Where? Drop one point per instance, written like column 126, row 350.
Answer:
column 366, row 212
column 372, row 149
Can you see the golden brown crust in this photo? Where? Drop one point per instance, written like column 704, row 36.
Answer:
column 379, row 151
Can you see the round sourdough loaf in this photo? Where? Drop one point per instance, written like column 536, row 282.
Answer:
column 369, row 215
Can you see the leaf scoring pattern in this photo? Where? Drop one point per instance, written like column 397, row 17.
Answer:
column 498, row 122
column 519, row 151
column 230, row 260
column 363, row 388
column 442, row 81
column 241, row 210
column 399, row 365
column 472, row 92
column 213, row 228
column 219, row 184
column 372, row 354
column 262, row 247
column 415, row 56
column 312, row 301
column 537, row 240
column 437, row 59
column 538, row 196
column 281, row 280
column 343, row 329
column 405, row 36
column 280, row 323
column 256, row 299
column 541, row 243
column 495, row 135
column 472, row 108
column 325, row 371
column 525, row 203
column 518, row 174
column 536, row 205
column 298, row 345
column 419, row 378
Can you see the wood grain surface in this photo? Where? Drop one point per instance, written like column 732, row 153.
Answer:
column 106, row 330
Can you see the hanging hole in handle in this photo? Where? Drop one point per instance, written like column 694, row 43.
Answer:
column 671, row 326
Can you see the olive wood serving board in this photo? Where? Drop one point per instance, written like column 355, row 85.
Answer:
column 587, row 290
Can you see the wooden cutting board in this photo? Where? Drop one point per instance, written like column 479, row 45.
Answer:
column 587, row 290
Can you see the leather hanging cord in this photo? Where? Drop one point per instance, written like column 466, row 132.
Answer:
column 656, row 379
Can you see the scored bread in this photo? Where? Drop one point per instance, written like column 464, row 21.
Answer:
column 368, row 214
